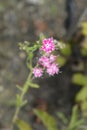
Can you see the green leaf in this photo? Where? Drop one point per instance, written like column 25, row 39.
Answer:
column 61, row 61
column 74, row 117
column 66, row 51
column 84, row 30
column 79, row 79
column 84, row 106
column 47, row 119
column 19, row 87
column 84, row 51
column 33, row 85
column 82, row 94
column 77, row 125
column 23, row 125
column 84, row 48
column 62, row 117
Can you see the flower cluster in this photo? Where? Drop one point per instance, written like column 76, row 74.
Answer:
column 48, row 45
column 47, row 62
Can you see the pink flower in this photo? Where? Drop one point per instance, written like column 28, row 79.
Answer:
column 52, row 58
column 37, row 72
column 53, row 69
column 48, row 45
column 44, row 61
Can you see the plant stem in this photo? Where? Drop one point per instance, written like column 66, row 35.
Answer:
column 25, row 88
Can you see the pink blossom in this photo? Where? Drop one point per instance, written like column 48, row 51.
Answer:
column 37, row 72
column 44, row 61
column 52, row 58
column 48, row 45
column 53, row 69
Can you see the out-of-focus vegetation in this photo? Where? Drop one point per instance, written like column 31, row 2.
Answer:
column 81, row 78
column 50, row 123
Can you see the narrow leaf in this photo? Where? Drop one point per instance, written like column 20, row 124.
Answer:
column 22, row 125
column 19, row 87
column 74, row 117
column 34, row 85
column 62, row 117
column 47, row 119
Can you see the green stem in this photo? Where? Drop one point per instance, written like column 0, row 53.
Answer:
column 25, row 88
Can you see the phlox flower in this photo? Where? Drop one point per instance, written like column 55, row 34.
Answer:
column 52, row 58
column 53, row 69
column 44, row 61
column 37, row 72
column 48, row 45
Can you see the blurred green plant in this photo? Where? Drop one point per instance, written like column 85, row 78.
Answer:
column 81, row 96
column 22, row 125
column 65, row 53
column 75, row 123
column 81, row 79
column 78, row 78
column 84, row 32
column 47, row 119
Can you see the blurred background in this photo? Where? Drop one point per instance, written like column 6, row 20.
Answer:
column 24, row 20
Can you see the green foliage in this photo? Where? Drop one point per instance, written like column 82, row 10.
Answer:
column 61, row 61
column 81, row 97
column 84, row 48
column 75, row 123
column 82, row 94
column 62, row 117
column 47, row 119
column 84, row 32
column 33, row 85
column 79, row 79
column 74, row 117
column 66, row 51
column 84, row 28
column 84, row 108
column 22, row 125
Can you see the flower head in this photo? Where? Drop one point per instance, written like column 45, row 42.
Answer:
column 48, row 45
column 52, row 58
column 53, row 69
column 37, row 72
column 44, row 61
column 47, row 61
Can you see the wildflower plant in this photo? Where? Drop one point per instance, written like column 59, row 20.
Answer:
column 45, row 63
